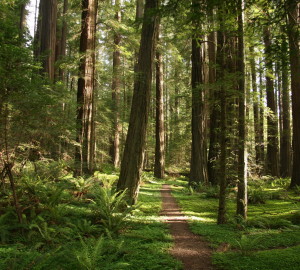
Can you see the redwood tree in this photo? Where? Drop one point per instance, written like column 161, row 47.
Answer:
column 198, row 169
column 132, row 160
column 45, row 38
column 294, row 39
column 272, row 147
column 84, row 152
column 242, row 154
column 159, row 165
column 116, row 88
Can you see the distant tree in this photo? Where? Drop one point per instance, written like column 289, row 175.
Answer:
column 285, row 146
column 272, row 147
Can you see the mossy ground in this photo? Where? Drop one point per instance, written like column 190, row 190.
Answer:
column 269, row 239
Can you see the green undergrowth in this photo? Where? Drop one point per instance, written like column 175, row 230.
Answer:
column 269, row 239
column 82, row 223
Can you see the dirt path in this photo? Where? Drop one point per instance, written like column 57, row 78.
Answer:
column 189, row 248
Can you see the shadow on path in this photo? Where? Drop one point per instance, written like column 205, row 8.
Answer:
column 191, row 249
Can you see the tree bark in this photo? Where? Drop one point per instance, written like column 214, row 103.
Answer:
column 116, row 89
column 132, row 160
column 242, row 153
column 198, row 169
column 45, row 38
column 84, row 152
column 261, row 122
column 159, row 166
column 285, row 149
column 214, row 112
column 294, row 39
column 61, row 42
column 272, row 147
column 255, row 109
column 221, row 67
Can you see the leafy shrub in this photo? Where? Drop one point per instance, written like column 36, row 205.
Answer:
column 257, row 196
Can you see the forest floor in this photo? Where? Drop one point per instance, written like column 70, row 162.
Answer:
column 75, row 224
column 191, row 249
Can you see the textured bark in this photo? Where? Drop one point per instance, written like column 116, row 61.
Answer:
column 285, row 148
column 198, row 169
column 61, row 42
column 272, row 147
column 221, row 67
column 214, row 113
column 242, row 153
column 294, row 40
column 84, row 154
column 261, row 122
column 255, row 109
column 45, row 38
column 116, row 89
column 132, row 160
column 159, row 166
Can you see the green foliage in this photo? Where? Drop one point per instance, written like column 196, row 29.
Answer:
column 246, row 244
column 84, row 228
column 98, row 254
column 257, row 196
column 111, row 208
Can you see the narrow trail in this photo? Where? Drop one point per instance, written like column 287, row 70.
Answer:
column 191, row 249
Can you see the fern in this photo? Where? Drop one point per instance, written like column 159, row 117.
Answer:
column 111, row 208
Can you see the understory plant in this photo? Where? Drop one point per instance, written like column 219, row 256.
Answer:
column 111, row 208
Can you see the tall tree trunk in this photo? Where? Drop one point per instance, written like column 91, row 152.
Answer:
column 116, row 88
column 159, row 166
column 84, row 153
column 198, row 169
column 272, row 147
column 221, row 67
column 285, row 149
column 45, row 38
column 294, row 40
column 242, row 153
column 261, row 121
column 255, row 109
column 22, row 19
column 61, row 42
column 132, row 160
column 214, row 112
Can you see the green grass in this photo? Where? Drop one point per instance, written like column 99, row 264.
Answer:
column 270, row 239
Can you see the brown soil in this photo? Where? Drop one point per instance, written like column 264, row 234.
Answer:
column 191, row 249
